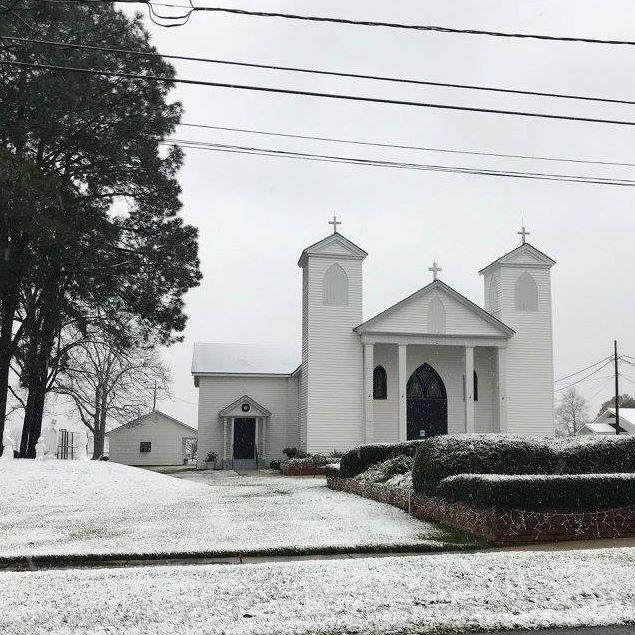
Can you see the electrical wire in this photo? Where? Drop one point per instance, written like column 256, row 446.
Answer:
column 582, row 370
column 269, row 152
column 405, row 147
column 295, row 69
column 338, row 96
column 575, row 383
column 369, row 23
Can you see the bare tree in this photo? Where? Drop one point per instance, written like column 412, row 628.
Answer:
column 109, row 386
column 572, row 412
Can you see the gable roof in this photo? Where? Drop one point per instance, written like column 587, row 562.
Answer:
column 439, row 285
column 242, row 400
column 242, row 359
column 140, row 420
column 333, row 245
column 526, row 248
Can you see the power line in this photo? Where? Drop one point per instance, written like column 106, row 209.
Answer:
column 286, row 91
column 575, row 383
column 312, row 71
column 269, row 152
column 405, row 147
column 583, row 369
column 390, row 25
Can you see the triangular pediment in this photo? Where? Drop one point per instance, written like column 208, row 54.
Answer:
column 525, row 255
column 336, row 246
column 245, row 406
column 436, row 309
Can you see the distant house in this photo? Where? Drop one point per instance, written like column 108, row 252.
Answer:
column 605, row 423
column 153, row 439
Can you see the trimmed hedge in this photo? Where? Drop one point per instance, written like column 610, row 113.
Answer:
column 538, row 492
column 359, row 459
column 440, row 457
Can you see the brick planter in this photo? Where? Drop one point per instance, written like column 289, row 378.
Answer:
column 305, row 469
column 502, row 527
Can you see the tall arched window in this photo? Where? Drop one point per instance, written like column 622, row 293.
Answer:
column 380, row 383
column 436, row 316
column 335, row 286
column 526, row 293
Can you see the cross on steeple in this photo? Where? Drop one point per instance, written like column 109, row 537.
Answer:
column 435, row 270
column 524, row 233
column 335, row 223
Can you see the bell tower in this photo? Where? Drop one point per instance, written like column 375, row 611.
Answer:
column 331, row 407
column 517, row 290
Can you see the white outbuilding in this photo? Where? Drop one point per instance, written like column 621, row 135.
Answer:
column 605, row 423
column 152, row 439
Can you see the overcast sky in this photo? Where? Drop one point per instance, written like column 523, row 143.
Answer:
column 256, row 214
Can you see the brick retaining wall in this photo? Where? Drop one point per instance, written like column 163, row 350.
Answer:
column 500, row 526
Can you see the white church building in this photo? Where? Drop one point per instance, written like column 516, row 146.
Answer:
column 397, row 376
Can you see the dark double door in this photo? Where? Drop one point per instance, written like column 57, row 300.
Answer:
column 244, row 438
column 427, row 401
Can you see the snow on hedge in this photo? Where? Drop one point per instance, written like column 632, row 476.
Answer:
column 423, row 594
column 80, row 507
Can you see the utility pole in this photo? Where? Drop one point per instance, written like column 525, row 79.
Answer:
column 617, row 391
column 154, row 400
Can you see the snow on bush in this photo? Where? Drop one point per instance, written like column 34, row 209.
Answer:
column 577, row 491
column 385, row 470
column 449, row 455
column 359, row 459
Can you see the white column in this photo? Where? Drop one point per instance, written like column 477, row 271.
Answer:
column 369, row 366
column 469, row 389
column 224, row 439
column 401, row 382
column 502, row 391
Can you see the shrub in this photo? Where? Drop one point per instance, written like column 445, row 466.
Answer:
column 553, row 491
column 318, row 460
column 211, row 457
column 441, row 457
column 274, row 465
column 294, row 453
column 384, row 471
column 332, row 470
column 359, row 459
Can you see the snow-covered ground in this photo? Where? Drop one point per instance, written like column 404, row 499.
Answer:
column 420, row 594
column 73, row 507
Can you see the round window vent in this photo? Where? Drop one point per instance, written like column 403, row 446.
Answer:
column 246, row 407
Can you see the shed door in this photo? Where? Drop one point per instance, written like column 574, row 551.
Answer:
column 244, row 438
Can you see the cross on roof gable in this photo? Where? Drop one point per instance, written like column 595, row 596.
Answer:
column 438, row 285
column 538, row 258
column 333, row 245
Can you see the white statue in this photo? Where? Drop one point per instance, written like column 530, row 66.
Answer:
column 80, row 443
column 40, row 449
column 9, row 446
column 49, row 437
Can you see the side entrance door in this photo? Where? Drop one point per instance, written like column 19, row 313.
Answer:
column 244, row 438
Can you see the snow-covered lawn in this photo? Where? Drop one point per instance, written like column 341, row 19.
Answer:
column 420, row 594
column 73, row 507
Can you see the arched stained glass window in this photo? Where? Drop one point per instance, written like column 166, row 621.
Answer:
column 380, row 383
column 425, row 383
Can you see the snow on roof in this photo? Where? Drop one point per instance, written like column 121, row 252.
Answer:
column 600, row 427
column 627, row 413
column 248, row 359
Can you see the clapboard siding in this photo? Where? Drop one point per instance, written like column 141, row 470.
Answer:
column 334, row 374
column 304, row 372
column 449, row 362
column 279, row 395
column 166, row 438
column 412, row 317
column 529, row 354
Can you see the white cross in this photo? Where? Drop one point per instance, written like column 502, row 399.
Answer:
column 435, row 270
column 524, row 233
column 335, row 223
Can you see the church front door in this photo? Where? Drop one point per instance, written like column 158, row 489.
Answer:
column 427, row 404
column 244, row 438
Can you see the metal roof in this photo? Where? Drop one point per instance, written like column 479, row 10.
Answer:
column 243, row 359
